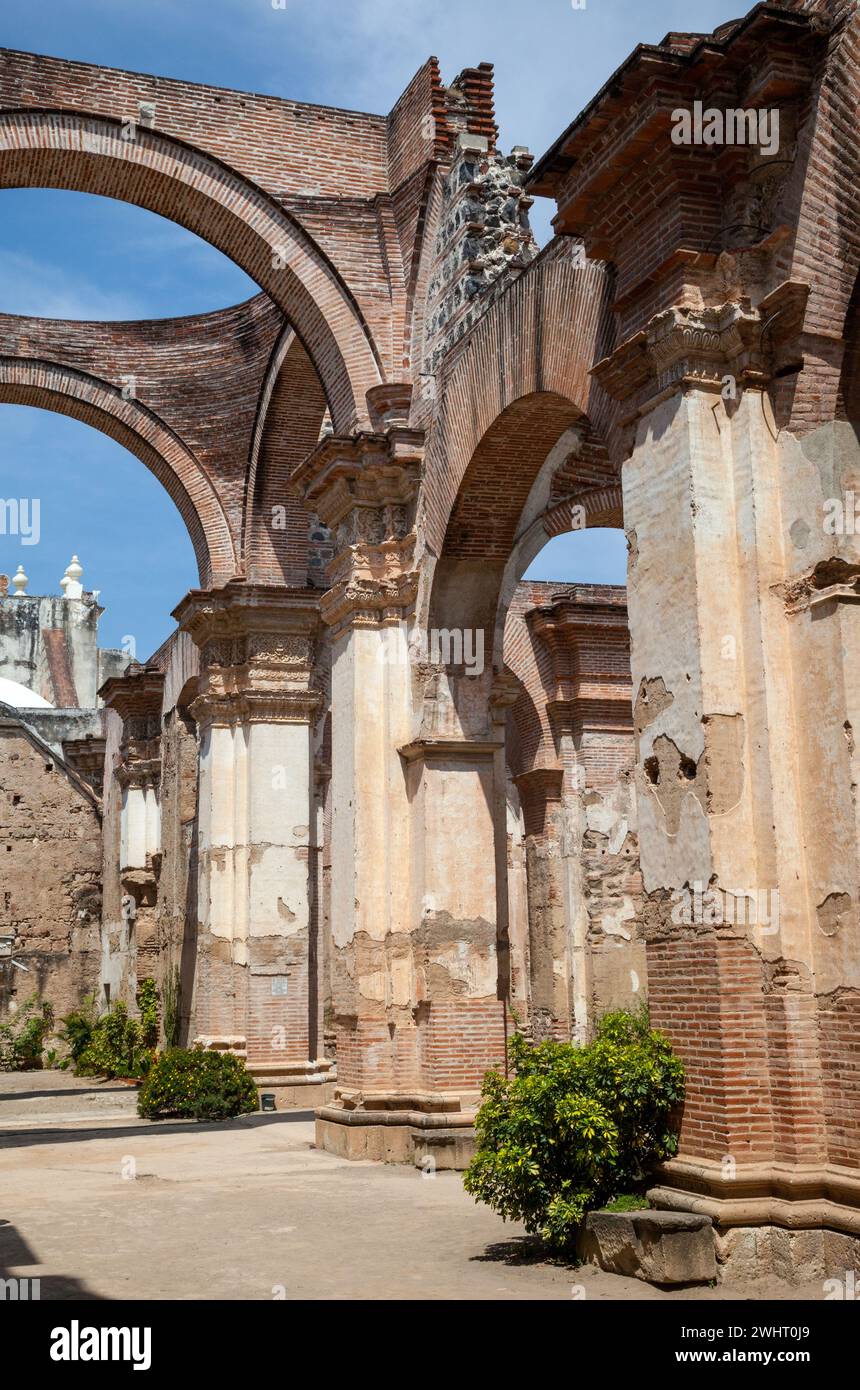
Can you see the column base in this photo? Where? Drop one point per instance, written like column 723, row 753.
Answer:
column 296, row 1085
column 432, row 1131
column 797, row 1195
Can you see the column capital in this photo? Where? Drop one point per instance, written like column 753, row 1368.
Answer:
column 364, row 487
column 540, row 791
column 683, row 346
column 136, row 696
column 87, row 757
column 257, row 648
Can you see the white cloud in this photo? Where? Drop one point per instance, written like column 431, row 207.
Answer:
column 30, row 286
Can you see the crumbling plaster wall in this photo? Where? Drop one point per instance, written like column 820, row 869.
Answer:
column 50, row 874
column 745, row 717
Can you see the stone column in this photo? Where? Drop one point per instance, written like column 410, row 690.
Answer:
column 550, row 965
column 417, row 828
column 255, row 709
column 737, row 831
column 363, row 488
column 591, row 835
column 136, row 697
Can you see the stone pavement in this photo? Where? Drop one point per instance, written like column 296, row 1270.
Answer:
column 98, row 1204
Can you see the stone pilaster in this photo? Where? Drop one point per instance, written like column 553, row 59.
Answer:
column 257, row 895
column 136, row 697
column 589, row 703
column 550, row 966
column 364, row 490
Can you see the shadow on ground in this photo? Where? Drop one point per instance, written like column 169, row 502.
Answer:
column 26, row 1138
column 16, row 1253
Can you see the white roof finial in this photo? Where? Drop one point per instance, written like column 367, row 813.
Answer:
column 20, row 582
column 71, row 580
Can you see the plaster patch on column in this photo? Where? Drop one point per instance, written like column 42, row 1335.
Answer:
column 835, row 911
column 800, row 532
column 608, row 815
column 723, row 758
column 614, row 928
column 459, row 956
column 672, row 777
column 369, row 966
column 652, row 698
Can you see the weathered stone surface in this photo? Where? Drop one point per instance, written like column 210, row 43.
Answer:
column 50, row 874
column 749, row 1253
column 432, row 404
column 661, row 1247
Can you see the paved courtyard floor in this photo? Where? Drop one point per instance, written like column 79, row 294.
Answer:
column 98, row 1204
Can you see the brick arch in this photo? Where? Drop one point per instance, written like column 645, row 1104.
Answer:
column 51, row 149
column 482, row 529
column 603, row 507
column 49, row 386
column 521, row 381
column 538, row 340
column 825, row 250
column 289, row 418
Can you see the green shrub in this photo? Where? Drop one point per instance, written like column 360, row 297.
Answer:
column 147, row 1002
column 77, row 1028
column 575, row 1126
column 197, row 1084
column 120, row 1046
column 22, row 1037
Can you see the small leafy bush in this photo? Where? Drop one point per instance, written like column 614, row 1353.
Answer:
column 76, row 1028
column 120, row 1046
column 22, row 1037
column 574, row 1127
column 197, row 1084
column 147, row 1002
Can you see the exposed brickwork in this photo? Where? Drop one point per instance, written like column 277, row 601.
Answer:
column 605, row 666
column 62, row 680
column 461, row 1040
column 602, row 361
column 50, row 873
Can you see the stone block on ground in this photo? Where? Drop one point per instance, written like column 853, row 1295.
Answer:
column 660, row 1247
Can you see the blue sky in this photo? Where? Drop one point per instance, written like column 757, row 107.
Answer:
column 68, row 255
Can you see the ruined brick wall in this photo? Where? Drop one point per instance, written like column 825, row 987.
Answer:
column 50, row 874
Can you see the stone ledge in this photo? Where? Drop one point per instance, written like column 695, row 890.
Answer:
column 397, row 1137
column 799, row 1197
column 296, row 1085
column 659, row 1247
